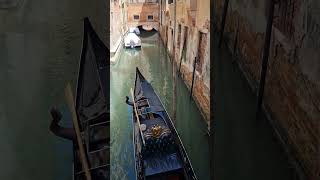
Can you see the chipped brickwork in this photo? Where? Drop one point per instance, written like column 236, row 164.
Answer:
column 143, row 11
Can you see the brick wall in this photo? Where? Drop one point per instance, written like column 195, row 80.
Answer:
column 292, row 90
column 143, row 10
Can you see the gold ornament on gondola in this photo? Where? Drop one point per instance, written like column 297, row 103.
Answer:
column 156, row 131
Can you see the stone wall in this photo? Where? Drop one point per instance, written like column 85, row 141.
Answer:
column 117, row 24
column 187, row 37
column 292, row 89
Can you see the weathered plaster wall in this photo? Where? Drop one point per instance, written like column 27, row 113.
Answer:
column 203, row 15
column 118, row 24
column 143, row 9
column 292, row 90
column 191, row 22
column 115, row 29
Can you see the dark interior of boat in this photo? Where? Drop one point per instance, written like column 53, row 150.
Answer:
column 98, row 150
column 93, row 108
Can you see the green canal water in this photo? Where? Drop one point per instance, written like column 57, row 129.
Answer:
column 40, row 44
column 155, row 65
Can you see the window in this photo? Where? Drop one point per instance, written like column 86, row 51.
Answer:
column 136, row 17
column 150, row 17
column 170, row 1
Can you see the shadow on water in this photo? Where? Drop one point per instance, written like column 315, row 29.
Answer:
column 40, row 44
column 244, row 148
column 155, row 65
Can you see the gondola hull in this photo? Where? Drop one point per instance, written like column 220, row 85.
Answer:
column 159, row 152
column 92, row 107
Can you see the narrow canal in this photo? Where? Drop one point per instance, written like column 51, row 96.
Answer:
column 154, row 63
column 40, row 45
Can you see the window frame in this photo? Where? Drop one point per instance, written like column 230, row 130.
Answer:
column 149, row 16
column 136, row 15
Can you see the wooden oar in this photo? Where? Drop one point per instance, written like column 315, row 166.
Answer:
column 70, row 101
column 137, row 116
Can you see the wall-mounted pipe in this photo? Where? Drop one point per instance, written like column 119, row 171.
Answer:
column 194, row 70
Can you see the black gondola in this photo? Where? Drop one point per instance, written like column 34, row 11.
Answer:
column 159, row 152
column 92, row 107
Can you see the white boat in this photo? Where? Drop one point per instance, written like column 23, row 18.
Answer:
column 134, row 30
column 132, row 40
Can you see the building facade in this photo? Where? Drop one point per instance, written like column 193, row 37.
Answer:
column 185, row 31
column 143, row 13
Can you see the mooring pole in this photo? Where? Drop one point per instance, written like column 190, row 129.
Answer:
column 194, row 69
column 223, row 21
column 174, row 99
column 265, row 59
column 180, row 65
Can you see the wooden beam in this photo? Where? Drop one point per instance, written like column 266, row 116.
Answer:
column 70, row 101
column 137, row 116
column 194, row 69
